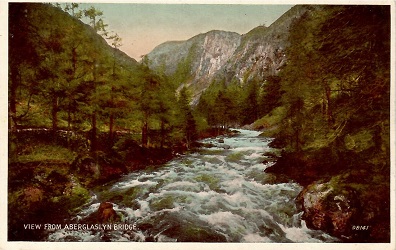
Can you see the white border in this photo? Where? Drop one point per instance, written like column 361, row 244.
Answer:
column 190, row 246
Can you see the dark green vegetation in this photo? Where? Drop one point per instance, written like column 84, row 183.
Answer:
column 334, row 117
column 81, row 112
column 63, row 75
column 98, row 113
column 328, row 108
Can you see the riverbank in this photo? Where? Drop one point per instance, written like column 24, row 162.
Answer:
column 218, row 193
column 49, row 182
column 351, row 202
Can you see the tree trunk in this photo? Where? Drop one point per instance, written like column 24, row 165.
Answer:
column 144, row 134
column 111, row 125
column 69, row 120
column 54, row 115
column 111, row 118
column 297, row 138
column 93, row 133
column 329, row 112
column 162, row 134
column 12, row 98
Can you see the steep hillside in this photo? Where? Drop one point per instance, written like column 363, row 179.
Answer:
column 224, row 55
column 54, row 58
column 262, row 50
column 201, row 57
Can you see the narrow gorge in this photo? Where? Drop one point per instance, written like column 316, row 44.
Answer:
column 280, row 135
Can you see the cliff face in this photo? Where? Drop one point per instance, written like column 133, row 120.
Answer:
column 227, row 55
column 217, row 48
column 203, row 55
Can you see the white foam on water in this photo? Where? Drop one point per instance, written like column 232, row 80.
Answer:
column 143, row 210
column 216, row 187
column 133, row 183
column 81, row 236
column 254, row 156
column 247, row 148
column 182, row 185
column 226, row 222
column 259, row 166
column 303, row 234
column 255, row 238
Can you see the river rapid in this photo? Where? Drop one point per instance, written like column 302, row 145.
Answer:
column 216, row 194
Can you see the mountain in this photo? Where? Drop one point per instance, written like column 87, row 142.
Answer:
column 229, row 56
column 204, row 55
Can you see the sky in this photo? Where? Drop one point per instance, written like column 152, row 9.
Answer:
column 142, row 26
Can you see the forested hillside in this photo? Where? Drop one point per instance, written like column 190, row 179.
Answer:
column 317, row 81
column 81, row 112
column 64, row 75
column 333, row 119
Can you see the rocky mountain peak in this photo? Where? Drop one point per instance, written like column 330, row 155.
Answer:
column 227, row 55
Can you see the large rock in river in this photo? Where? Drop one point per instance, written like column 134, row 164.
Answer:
column 352, row 211
column 329, row 210
column 106, row 213
column 98, row 167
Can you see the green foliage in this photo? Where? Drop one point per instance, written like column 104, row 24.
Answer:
column 72, row 79
column 250, row 107
column 336, row 87
column 225, row 104
column 183, row 70
column 359, row 141
column 78, row 197
column 270, row 96
column 220, row 104
column 188, row 123
column 45, row 153
column 272, row 120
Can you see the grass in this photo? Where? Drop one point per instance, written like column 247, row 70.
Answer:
column 270, row 121
column 45, row 153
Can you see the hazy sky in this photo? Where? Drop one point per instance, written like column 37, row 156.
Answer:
column 144, row 26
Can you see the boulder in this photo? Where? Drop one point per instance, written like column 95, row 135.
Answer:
column 106, row 213
column 32, row 195
column 330, row 209
column 350, row 210
column 98, row 167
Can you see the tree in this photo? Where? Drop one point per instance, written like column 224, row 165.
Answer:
column 250, row 104
column 148, row 102
column 270, row 96
column 72, row 9
column 98, row 26
column 20, row 64
column 116, row 42
column 188, row 122
column 96, row 20
column 336, row 84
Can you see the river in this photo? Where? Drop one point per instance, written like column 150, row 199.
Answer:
column 216, row 194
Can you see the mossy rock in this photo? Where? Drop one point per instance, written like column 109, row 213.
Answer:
column 98, row 167
column 166, row 202
column 235, row 157
column 348, row 200
column 212, row 181
column 181, row 227
column 126, row 197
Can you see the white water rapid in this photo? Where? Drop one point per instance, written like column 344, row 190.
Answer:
column 217, row 194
